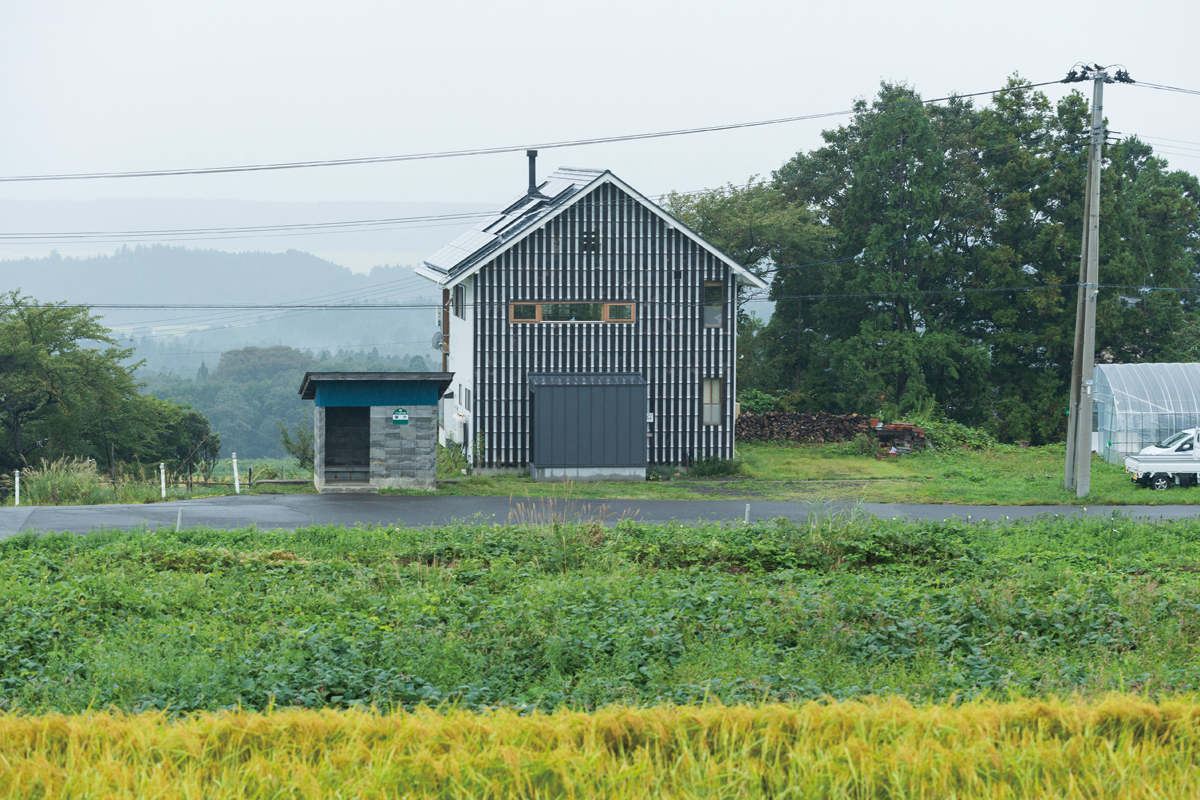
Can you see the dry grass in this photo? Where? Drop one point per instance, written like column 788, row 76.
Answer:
column 1120, row 746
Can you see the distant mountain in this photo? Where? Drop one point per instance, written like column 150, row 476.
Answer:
column 180, row 339
column 358, row 249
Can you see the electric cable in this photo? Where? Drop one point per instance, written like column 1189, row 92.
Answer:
column 155, row 173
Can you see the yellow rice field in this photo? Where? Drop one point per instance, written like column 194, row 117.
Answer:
column 1119, row 747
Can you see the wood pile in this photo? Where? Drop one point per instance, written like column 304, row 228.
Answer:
column 897, row 439
column 799, row 427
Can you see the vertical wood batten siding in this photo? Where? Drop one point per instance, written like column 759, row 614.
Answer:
column 667, row 343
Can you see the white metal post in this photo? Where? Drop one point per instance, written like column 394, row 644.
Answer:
column 237, row 487
column 162, row 479
column 17, row 479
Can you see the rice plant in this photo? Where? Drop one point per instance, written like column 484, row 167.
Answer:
column 1117, row 746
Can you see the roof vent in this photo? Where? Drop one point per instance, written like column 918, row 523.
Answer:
column 532, row 170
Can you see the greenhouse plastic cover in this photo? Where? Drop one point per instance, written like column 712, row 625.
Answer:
column 1136, row 405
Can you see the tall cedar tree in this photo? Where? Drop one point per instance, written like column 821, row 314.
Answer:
column 929, row 254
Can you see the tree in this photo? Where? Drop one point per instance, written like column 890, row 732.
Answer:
column 298, row 442
column 47, row 368
column 928, row 255
column 880, row 323
column 758, row 227
column 63, row 395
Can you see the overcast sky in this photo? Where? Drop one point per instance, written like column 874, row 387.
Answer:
column 125, row 85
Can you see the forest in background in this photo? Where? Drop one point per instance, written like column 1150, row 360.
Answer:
column 251, row 389
column 925, row 259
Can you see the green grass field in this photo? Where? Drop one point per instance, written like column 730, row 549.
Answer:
column 1002, row 476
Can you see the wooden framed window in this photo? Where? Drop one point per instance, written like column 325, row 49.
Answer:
column 710, row 402
column 524, row 312
column 714, row 304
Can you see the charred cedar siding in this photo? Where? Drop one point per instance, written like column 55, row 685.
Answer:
column 638, row 259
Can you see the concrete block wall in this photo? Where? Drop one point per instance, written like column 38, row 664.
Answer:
column 319, row 448
column 404, row 456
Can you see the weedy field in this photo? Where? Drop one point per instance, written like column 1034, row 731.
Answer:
column 582, row 616
column 914, row 659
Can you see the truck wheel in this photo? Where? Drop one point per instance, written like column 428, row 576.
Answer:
column 1160, row 483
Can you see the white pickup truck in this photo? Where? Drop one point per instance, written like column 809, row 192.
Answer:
column 1173, row 462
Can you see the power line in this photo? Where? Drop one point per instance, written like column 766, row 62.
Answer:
column 339, row 347
column 658, row 303
column 1166, row 88
column 250, row 229
column 366, row 225
column 486, row 150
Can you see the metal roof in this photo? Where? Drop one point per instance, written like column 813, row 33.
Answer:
column 585, row 379
column 526, row 212
column 521, row 214
column 308, row 386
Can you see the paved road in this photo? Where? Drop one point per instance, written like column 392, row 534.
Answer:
column 297, row 511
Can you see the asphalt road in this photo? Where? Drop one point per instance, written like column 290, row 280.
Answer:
column 297, row 511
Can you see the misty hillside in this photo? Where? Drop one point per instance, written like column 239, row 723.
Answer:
column 359, row 249
column 165, row 274
column 180, row 339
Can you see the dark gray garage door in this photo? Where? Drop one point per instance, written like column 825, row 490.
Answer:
column 588, row 420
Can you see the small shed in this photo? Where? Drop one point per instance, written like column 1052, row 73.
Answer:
column 588, row 426
column 1135, row 405
column 374, row 430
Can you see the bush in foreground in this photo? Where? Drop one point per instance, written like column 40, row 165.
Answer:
column 582, row 615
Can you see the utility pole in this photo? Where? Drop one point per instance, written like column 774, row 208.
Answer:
column 1078, row 474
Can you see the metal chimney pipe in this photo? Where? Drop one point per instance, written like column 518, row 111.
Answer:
column 532, row 170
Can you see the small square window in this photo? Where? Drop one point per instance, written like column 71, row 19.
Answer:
column 589, row 242
column 620, row 312
column 524, row 312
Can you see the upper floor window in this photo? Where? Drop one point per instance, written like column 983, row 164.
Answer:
column 714, row 304
column 571, row 312
column 589, row 241
column 460, row 301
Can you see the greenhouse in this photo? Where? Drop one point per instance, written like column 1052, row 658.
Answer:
column 1136, row 405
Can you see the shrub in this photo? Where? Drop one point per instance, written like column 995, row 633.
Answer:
column 450, row 461
column 756, row 402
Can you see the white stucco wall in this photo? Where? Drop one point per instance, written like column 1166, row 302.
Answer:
column 462, row 364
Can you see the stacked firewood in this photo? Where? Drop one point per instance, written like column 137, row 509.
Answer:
column 799, row 427
column 898, row 438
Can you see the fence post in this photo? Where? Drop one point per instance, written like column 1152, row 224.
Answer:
column 162, row 479
column 237, row 486
column 17, row 478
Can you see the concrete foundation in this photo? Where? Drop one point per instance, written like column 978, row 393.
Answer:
column 546, row 474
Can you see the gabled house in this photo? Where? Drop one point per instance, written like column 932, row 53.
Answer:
column 579, row 292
